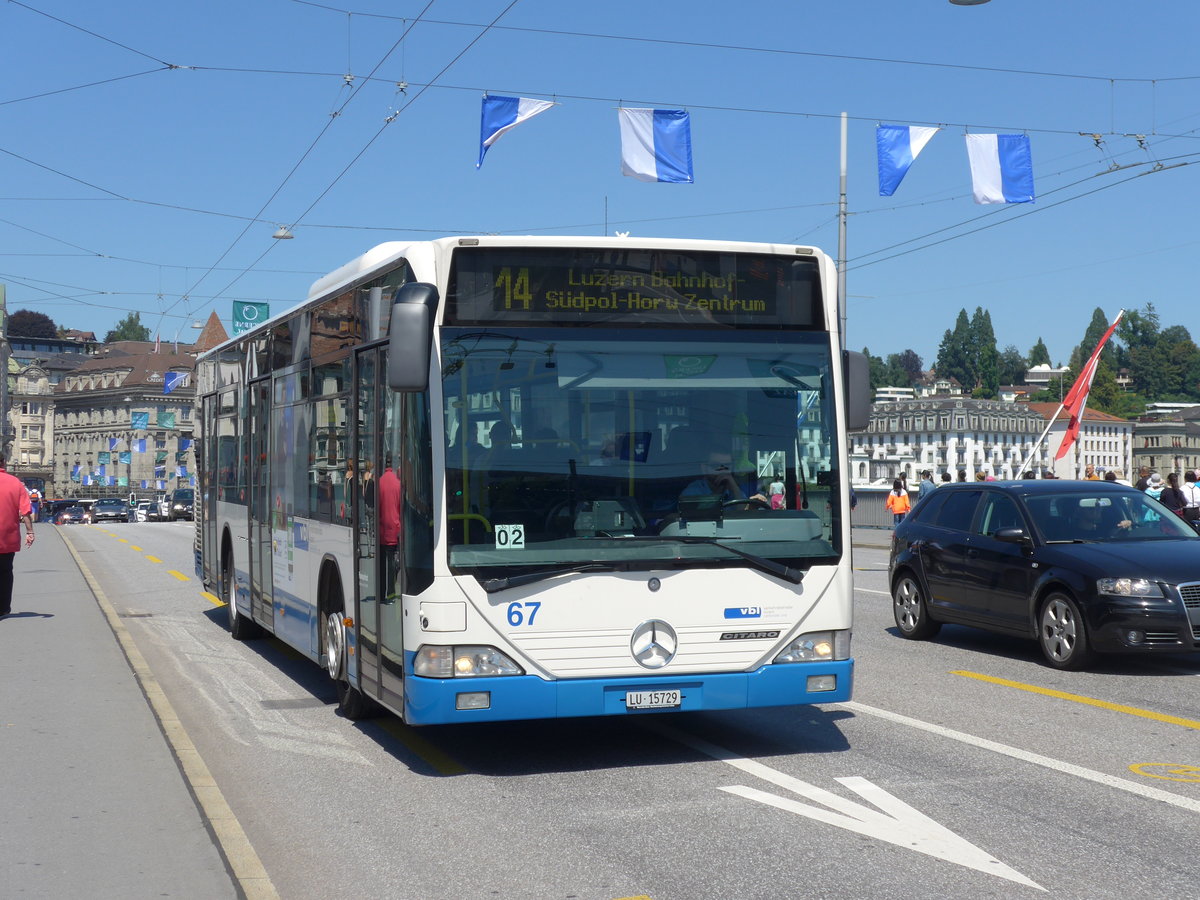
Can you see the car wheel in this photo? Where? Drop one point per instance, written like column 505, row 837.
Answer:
column 910, row 610
column 1062, row 633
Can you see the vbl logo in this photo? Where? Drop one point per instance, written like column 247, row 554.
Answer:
column 743, row 612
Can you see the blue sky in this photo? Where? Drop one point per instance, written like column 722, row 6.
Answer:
column 127, row 185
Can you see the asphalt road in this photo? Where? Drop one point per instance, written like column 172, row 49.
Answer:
column 962, row 768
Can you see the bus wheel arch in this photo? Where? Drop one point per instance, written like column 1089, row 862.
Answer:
column 241, row 627
column 334, row 652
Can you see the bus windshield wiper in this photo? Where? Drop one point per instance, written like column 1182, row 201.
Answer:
column 779, row 570
column 492, row 585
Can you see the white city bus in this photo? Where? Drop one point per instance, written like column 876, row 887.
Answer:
column 496, row 478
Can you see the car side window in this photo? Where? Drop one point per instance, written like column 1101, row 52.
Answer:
column 927, row 510
column 958, row 511
column 999, row 511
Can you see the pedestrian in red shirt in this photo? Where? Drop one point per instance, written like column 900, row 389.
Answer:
column 389, row 524
column 14, row 509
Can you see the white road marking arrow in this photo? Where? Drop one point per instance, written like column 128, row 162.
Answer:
column 892, row 820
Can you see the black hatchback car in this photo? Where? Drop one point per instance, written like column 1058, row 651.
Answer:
column 1084, row 567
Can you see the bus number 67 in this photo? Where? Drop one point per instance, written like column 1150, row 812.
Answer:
column 517, row 611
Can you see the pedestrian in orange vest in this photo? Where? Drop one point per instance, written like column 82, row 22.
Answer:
column 897, row 502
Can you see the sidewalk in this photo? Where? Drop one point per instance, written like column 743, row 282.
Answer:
column 871, row 538
column 92, row 800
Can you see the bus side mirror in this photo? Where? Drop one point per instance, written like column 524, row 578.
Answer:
column 410, row 336
column 857, row 371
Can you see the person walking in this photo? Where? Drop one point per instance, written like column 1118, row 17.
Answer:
column 897, row 502
column 927, row 483
column 14, row 510
column 1172, row 497
column 1191, row 492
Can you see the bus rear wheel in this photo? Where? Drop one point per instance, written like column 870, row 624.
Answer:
column 351, row 702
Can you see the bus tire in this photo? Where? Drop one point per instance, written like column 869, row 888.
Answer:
column 241, row 628
column 352, row 703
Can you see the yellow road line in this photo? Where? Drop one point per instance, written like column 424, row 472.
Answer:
column 1087, row 701
column 212, row 598
column 153, row 558
column 135, row 547
column 178, row 575
column 122, row 540
column 244, row 863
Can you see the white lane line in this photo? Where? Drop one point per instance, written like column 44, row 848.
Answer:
column 1121, row 784
column 869, row 591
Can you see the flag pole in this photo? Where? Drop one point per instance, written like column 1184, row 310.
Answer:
column 841, row 263
column 1037, row 444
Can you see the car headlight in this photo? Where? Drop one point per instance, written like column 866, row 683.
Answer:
column 472, row 661
column 1129, row 587
column 817, row 646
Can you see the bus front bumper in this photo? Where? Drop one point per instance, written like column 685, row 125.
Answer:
column 432, row 701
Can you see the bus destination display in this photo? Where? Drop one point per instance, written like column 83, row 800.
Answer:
column 623, row 287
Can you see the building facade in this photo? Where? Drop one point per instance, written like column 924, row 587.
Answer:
column 1168, row 443
column 1104, row 442
column 947, row 434
column 117, row 430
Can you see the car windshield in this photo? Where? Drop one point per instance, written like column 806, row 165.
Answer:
column 568, row 447
column 110, row 504
column 1108, row 517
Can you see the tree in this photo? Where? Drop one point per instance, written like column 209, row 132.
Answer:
column 912, row 364
column 1012, row 365
column 1091, row 338
column 1039, row 355
column 954, row 354
column 27, row 323
column 984, row 353
column 877, row 369
column 129, row 328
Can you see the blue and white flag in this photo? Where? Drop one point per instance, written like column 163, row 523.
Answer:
column 112, row 443
column 656, row 144
column 1001, row 168
column 897, row 146
column 172, row 380
column 503, row 114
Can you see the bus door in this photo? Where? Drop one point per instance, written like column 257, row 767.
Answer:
column 261, row 594
column 366, row 530
column 391, row 462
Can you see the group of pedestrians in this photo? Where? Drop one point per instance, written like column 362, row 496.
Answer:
column 1183, row 499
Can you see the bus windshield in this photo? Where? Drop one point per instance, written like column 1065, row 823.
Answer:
column 637, row 449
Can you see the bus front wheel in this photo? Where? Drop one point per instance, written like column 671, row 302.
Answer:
column 351, row 701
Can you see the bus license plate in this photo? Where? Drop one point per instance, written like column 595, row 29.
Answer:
column 652, row 699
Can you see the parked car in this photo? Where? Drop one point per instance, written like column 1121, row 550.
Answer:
column 1083, row 567
column 71, row 515
column 109, row 509
column 181, row 504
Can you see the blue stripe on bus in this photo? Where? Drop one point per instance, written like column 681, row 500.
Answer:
column 431, row 701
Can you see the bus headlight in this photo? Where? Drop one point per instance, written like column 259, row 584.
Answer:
column 817, row 646
column 471, row 661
